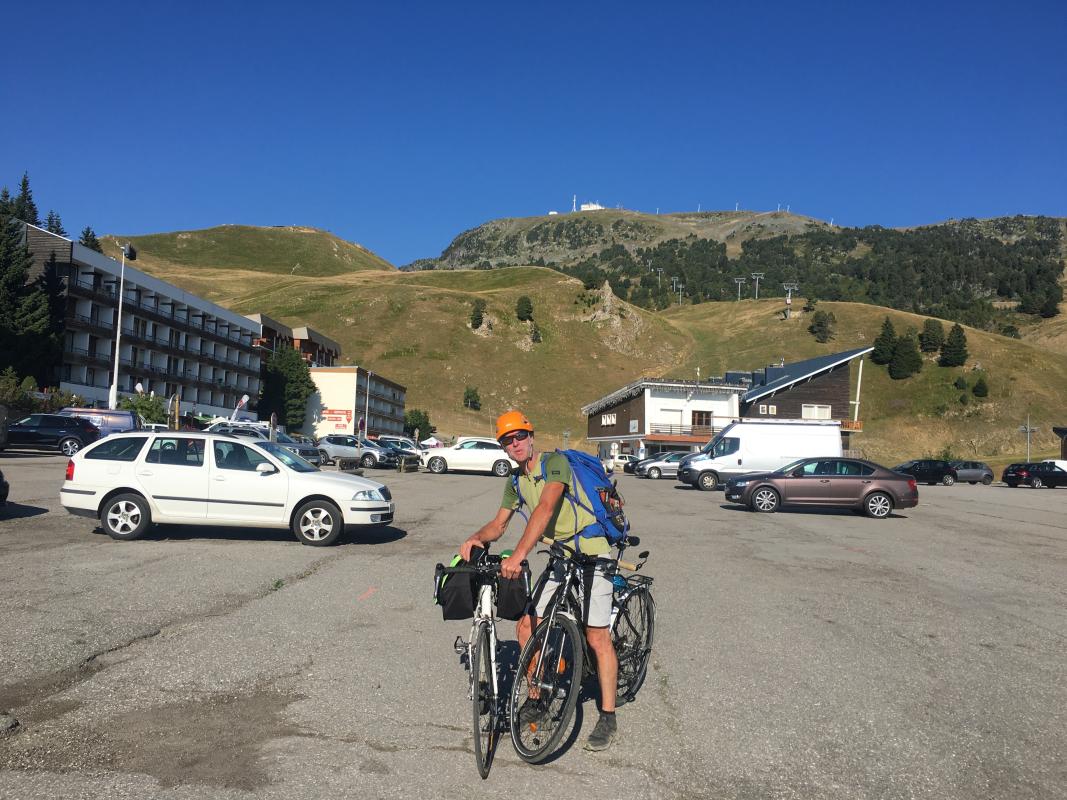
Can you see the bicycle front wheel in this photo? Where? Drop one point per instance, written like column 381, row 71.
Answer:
column 632, row 634
column 547, row 682
column 484, row 699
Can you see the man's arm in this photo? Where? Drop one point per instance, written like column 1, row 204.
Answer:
column 489, row 532
column 551, row 497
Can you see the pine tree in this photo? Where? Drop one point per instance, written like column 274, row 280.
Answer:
column 981, row 388
column 822, row 325
column 471, row 399
column 1051, row 305
column 932, row 337
column 884, row 344
column 7, row 206
column 477, row 314
column 53, row 224
column 906, row 359
column 25, row 208
column 524, row 309
column 954, row 350
column 15, row 263
column 88, row 239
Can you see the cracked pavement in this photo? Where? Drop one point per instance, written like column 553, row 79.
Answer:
column 809, row 654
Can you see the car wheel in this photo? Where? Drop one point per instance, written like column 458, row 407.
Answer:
column 317, row 523
column 501, row 468
column 69, row 447
column 988, row 479
column 707, row 481
column 947, row 480
column 1036, row 483
column 878, row 505
column 367, row 461
column 1012, row 485
column 972, row 482
column 655, row 474
column 437, row 465
column 126, row 516
column 324, row 457
column 765, row 500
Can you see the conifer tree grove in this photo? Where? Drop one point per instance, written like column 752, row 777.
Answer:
column 954, row 350
column 53, row 224
column 884, row 344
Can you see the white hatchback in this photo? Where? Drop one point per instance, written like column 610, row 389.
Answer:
column 473, row 453
column 131, row 480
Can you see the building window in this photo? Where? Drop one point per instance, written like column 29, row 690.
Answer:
column 772, row 410
column 811, row 411
column 763, row 409
column 702, row 419
column 607, row 419
column 90, row 376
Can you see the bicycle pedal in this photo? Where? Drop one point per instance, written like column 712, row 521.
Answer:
column 459, row 645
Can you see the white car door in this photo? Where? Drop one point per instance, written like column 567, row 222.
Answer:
column 173, row 474
column 489, row 454
column 238, row 492
column 464, row 456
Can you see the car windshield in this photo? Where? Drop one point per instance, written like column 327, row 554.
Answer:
column 790, row 467
column 281, row 437
column 287, row 457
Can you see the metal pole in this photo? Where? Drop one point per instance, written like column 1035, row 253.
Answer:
column 859, row 382
column 113, row 395
column 1028, row 429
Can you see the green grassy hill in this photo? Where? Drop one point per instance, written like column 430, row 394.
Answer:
column 281, row 251
column 413, row 327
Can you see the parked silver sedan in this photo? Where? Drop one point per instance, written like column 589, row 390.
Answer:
column 665, row 467
column 973, row 472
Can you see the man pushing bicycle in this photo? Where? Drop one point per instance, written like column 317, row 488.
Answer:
column 543, row 483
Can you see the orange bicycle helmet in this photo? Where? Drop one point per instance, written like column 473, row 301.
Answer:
column 512, row 421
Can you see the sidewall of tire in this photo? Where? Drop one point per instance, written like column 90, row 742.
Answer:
column 142, row 527
column 711, row 478
column 437, row 465
column 499, row 471
column 867, row 505
column 332, row 536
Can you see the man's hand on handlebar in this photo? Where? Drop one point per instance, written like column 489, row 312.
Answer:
column 467, row 546
column 511, row 567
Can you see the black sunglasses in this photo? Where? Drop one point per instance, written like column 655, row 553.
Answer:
column 517, row 436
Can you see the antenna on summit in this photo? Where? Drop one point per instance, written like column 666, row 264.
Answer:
column 574, row 204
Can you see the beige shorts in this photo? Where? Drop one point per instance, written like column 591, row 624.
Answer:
column 595, row 594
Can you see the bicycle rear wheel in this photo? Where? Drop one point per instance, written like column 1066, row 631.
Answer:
column 632, row 634
column 548, row 687
column 484, row 700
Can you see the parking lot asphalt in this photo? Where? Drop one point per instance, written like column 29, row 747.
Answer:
column 813, row 654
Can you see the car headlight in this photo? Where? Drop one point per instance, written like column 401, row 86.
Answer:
column 369, row 494
column 739, row 484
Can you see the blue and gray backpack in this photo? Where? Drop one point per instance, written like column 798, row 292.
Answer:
column 605, row 502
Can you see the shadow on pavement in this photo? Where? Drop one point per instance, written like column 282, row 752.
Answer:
column 819, row 511
column 219, row 533
column 19, row 511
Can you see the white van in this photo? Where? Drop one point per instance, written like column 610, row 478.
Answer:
column 758, row 446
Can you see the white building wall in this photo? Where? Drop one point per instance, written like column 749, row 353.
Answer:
column 331, row 409
column 676, row 408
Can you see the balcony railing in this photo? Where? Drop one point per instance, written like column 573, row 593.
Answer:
column 705, row 431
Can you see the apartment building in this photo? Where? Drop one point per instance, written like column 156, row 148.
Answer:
column 170, row 341
column 347, row 396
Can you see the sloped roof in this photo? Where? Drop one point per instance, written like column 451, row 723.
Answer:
column 803, row 370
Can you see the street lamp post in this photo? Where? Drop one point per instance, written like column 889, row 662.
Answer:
column 756, row 276
column 1027, row 429
column 113, row 395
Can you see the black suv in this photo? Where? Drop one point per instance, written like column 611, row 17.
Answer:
column 68, row 435
column 1035, row 474
column 929, row 470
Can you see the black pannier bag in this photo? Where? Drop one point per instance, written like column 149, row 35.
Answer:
column 513, row 595
column 454, row 592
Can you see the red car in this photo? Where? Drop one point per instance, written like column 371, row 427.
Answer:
column 829, row 482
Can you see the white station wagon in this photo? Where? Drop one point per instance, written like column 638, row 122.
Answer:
column 131, row 480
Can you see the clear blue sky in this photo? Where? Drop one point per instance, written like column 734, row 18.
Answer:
column 400, row 125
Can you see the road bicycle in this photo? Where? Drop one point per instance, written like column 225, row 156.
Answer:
column 556, row 657
column 481, row 652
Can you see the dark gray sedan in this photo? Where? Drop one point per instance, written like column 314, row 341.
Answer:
column 973, row 472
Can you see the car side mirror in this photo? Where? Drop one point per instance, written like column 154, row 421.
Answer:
column 266, row 469
column 798, row 473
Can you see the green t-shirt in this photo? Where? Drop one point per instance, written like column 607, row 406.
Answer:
column 569, row 517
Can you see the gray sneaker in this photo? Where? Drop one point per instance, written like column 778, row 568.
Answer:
column 605, row 731
column 532, row 710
